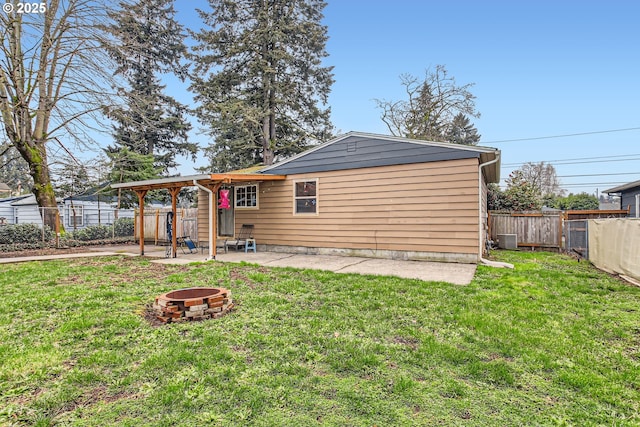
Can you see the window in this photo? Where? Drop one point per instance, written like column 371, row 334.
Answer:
column 305, row 195
column 247, row 196
column 75, row 216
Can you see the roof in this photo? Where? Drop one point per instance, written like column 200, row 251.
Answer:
column 188, row 181
column 360, row 150
column 29, row 199
column 623, row 187
column 93, row 194
column 4, row 187
column 14, row 199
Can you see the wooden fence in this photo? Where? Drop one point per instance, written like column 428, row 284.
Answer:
column 155, row 224
column 543, row 229
column 533, row 229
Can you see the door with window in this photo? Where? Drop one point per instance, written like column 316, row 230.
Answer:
column 226, row 216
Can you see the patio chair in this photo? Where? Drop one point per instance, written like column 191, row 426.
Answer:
column 186, row 241
column 240, row 240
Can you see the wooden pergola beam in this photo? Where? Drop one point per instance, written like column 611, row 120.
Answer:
column 212, row 182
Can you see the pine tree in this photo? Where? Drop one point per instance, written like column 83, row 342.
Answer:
column 72, row 179
column 148, row 41
column 462, row 131
column 126, row 166
column 259, row 79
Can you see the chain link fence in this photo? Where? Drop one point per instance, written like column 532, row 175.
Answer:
column 34, row 227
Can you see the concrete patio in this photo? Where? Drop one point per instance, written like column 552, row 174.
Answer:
column 459, row 274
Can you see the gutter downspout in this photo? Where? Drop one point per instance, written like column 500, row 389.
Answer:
column 480, row 222
column 212, row 255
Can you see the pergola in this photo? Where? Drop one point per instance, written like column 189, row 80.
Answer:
column 210, row 183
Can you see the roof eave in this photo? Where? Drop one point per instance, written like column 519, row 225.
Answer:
column 188, row 181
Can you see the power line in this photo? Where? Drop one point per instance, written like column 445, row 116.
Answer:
column 599, row 174
column 561, row 136
column 597, row 159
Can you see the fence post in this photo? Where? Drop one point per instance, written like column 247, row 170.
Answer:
column 157, row 225
column 57, row 228
column 560, row 233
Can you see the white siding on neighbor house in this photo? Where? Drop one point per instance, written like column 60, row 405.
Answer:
column 27, row 214
column 6, row 211
column 92, row 213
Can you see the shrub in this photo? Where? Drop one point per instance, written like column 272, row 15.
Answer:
column 123, row 227
column 24, row 233
column 92, row 232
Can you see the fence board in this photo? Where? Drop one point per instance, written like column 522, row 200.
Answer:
column 532, row 229
column 155, row 228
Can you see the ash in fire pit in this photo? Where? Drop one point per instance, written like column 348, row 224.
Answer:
column 192, row 304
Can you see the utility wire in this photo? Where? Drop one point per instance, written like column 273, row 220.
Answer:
column 560, row 136
column 600, row 174
column 597, row 159
column 574, row 163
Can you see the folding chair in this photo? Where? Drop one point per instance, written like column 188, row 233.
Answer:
column 246, row 232
column 186, row 241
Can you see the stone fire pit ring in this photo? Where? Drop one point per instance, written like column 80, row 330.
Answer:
column 192, row 304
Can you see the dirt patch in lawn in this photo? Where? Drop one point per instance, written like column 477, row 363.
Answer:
column 51, row 251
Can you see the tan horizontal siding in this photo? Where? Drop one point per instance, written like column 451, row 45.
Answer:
column 203, row 217
column 429, row 207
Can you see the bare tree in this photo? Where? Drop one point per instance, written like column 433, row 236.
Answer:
column 430, row 107
column 543, row 177
column 52, row 78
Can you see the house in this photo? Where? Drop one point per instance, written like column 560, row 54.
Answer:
column 358, row 194
column 7, row 210
column 76, row 212
column 21, row 210
column 629, row 197
column 92, row 207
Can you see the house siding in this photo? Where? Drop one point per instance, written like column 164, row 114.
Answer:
column 628, row 200
column 428, row 208
column 203, row 218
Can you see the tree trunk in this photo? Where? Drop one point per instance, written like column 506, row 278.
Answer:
column 35, row 154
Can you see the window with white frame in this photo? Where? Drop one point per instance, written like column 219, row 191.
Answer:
column 305, row 195
column 75, row 216
column 246, row 196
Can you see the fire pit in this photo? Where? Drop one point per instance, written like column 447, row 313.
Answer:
column 191, row 304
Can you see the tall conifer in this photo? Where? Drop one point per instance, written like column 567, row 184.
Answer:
column 260, row 81
column 147, row 42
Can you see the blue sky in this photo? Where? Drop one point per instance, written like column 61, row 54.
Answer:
column 540, row 69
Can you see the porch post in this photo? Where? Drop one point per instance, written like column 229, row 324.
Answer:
column 213, row 210
column 174, row 204
column 141, row 194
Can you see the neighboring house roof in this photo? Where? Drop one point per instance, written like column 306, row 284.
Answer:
column 94, row 194
column 4, row 187
column 11, row 200
column 623, row 187
column 360, row 150
column 25, row 201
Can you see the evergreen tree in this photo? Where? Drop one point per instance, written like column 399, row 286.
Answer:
column 259, row 79
column 148, row 41
column 14, row 170
column 72, row 179
column 462, row 131
column 126, row 166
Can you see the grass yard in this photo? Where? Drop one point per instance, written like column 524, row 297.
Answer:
column 553, row 342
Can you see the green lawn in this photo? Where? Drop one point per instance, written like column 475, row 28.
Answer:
column 553, row 342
